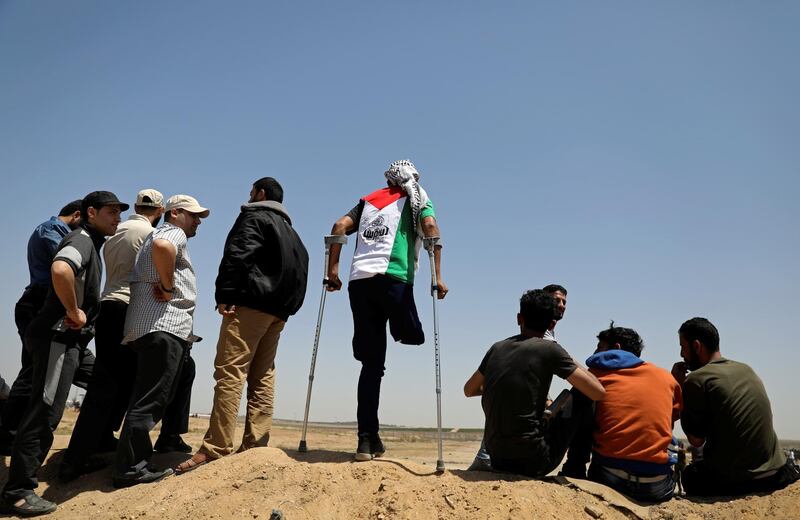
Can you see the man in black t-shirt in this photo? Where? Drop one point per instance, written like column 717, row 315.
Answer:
column 514, row 379
column 57, row 339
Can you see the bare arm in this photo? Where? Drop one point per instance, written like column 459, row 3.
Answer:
column 431, row 229
column 164, row 254
column 587, row 384
column 342, row 226
column 64, row 286
column 474, row 385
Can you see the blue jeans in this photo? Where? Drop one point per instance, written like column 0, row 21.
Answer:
column 632, row 487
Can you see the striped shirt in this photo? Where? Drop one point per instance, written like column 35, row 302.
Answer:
column 146, row 314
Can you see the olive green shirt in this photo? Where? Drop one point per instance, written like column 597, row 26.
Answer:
column 726, row 403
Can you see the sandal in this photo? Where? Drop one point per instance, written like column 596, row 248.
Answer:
column 33, row 505
column 197, row 460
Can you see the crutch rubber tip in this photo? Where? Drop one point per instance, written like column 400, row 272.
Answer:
column 303, row 448
column 439, row 466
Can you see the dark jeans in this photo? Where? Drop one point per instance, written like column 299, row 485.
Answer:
column 25, row 310
column 55, row 366
column 699, row 480
column 176, row 416
column 632, row 487
column 374, row 301
column 109, row 392
column 541, row 454
column 160, row 356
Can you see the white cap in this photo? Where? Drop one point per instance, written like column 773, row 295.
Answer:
column 150, row 197
column 187, row 203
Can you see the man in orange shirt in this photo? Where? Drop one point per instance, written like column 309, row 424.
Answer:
column 633, row 424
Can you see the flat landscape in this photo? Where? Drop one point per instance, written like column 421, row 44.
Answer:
column 326, row 483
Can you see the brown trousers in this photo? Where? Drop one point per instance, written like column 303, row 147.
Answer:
column 248, row 342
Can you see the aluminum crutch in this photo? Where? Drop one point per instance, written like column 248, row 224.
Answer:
column 329, row 239
column 430, row 244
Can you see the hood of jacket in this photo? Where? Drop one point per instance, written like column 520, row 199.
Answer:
column 268, row 205
column 613, row 360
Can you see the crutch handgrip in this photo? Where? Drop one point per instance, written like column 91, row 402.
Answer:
column 335, row 239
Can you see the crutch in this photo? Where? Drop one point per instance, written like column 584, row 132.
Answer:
column 430, row 244
column 329, row 239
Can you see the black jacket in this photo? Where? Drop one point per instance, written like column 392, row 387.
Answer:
column 264, row 265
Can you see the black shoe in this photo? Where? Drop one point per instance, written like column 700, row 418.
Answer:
column 34, row 505
column 69, row 472
column 369, row 446
column 171, row 443
column 145, row 476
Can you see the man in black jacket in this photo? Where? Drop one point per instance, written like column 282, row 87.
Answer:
column 261, row 282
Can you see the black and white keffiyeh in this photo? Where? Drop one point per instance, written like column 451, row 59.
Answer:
column 404, row 174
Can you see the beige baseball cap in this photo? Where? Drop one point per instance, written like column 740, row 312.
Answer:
column 150, row 197
column 187, row 203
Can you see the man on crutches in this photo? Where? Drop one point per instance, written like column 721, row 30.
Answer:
column 391, row 223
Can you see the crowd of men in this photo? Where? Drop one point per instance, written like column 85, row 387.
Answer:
column 618, row 416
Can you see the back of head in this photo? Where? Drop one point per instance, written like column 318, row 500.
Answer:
column 554, row 288
column 70, row 208
column 272, row 188
column 628, row 339
column 538, row 309
column 702, row 330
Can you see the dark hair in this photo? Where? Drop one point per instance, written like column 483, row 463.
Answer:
column 70, row 208
column 538, row 309
column 628, row 339
column 553, row 287
column 272, row 188
column 702, row 330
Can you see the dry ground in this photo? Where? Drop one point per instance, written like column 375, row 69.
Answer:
column 325, row 483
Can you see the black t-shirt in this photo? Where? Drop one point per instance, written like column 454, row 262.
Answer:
column 518, row 372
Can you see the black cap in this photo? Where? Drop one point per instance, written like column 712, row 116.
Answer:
column 98, row 199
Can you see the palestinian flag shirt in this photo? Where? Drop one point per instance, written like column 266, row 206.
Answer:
column 387, row 241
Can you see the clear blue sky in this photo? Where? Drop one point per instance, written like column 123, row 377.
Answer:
column 644, row 155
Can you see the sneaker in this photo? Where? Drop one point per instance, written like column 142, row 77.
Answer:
column 33, row 505
column 369, row 446
column 145, row 476
column 171, row 443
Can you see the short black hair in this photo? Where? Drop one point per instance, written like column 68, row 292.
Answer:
column 272, row 188
column 538, row 309
column 553, row 287
column 628, row 339
column 702, row 330
column 70, row 208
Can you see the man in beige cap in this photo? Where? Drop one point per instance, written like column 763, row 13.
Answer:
column 158, row 327
column 114, row 371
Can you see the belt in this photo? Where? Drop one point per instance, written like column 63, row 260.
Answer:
column 621, row 473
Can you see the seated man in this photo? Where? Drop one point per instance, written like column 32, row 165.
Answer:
column 514, row 378
column 726, row 411
column 633, row 423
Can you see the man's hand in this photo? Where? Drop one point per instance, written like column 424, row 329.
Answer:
column 226, row 309
column 441, row 289
column 160, row 294
column 333, row 282
column 75, row 319
column 679, row 372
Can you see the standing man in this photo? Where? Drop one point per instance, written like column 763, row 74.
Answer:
column 726, row 411
column 390, row 223
column 158, row 326
column 42, row 246
column 261, row 282
column 57, row 339
column 513, row 380
column 114, row 371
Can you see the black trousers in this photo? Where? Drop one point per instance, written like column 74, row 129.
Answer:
column 160, row 357
column 110, row 388
column 25, row 310
column 699, row 480
column 56, row 365
column 541, row 455
column 176, row 416
column 374, row 301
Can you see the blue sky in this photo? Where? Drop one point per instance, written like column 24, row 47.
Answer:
column 644, row 155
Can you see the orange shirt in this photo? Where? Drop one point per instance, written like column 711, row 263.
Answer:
column 634, row 420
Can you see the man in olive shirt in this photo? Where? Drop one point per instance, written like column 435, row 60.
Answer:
column 726, row 411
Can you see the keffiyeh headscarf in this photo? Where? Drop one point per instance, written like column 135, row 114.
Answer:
column 404, row 175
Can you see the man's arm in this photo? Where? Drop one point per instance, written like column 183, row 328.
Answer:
column 343, row 226
column 63, row 277
column 431, row 229
column 474, row 385
column 164, row 255
column 587, row 384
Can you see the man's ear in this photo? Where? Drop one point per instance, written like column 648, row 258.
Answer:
column 617, row 346
column 697, row 347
